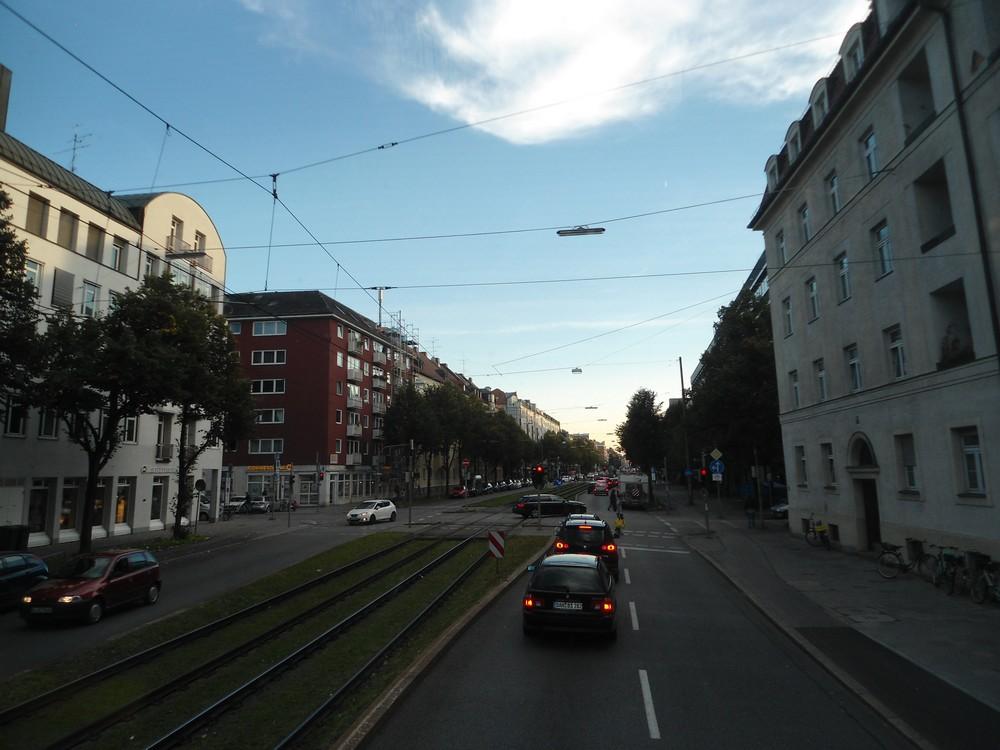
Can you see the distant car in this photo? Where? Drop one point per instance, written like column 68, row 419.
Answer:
column 372, row 511
column 779, row 511
column 458, row 492
column 259, row 505
column 551, row 505
column 590, row 536
column 88, row 585
column 600, row 487
column 570, row 592
column 19, row 571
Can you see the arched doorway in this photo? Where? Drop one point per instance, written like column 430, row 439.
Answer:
column 864, row 469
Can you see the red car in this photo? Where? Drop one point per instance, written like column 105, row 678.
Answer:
column 458, row 492
column 87, row 585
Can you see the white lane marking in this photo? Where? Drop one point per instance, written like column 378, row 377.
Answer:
column 635, row 617
column 622, row 550
column 657, row 549
column 628, row 578
column 647, row 699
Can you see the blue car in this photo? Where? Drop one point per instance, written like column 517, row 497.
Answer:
column 19, row 571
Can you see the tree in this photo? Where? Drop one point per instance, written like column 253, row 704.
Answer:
column 445, row 401
column 409, row 418
column 19, row 339
column 641, row 435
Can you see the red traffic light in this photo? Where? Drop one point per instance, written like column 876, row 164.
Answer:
column 703, row 472
column 539, row 469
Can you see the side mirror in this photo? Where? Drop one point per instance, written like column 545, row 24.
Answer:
column 531, row 568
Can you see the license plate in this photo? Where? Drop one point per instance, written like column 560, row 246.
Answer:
column 41, row 610
column 567, row 605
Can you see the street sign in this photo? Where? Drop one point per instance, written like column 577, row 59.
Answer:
column 717, row 467
column 495, row 541
column 465, row 463
column 717, row 477
column 716, row 454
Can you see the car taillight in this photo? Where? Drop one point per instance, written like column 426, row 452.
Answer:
column 561, row 545
column 532, row 602
column 586, row 528
column 609, row 547
column 605, row 605
column 519, row 506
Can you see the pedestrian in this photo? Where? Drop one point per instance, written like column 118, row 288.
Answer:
column 613, row 499
column 750, row 506
column 619, row 524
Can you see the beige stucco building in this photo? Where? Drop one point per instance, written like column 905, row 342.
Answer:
column 881, row 224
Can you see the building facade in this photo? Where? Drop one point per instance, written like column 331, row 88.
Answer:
column 529, row 417
column 84, row 247
column 881, row 233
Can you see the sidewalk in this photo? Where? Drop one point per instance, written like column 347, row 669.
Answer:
column 928, row 662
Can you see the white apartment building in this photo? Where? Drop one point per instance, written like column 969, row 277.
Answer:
column 529, row 417
column 881, row 225
column 85, row 246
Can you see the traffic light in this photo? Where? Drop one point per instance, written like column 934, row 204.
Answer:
column 538, row 476
column 703, row 474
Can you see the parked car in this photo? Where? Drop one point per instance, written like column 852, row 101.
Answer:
column 590, row 536
column 458, row 492
column 258, row 505
column 570, row 592
column 551, row 505
column 779, row 511
column 19, row 571
column 88, row 585
column 371, row 511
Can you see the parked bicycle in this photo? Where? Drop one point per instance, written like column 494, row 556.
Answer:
column 817, row 532
column 939, row 564
column 987, row 583
column 891, row 563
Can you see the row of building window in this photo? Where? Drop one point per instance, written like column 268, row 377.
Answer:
column 965, row 444
column 69, row 505
column 277, row 445
column 16, row 423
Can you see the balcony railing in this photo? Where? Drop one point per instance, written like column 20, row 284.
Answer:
column 353, row 430
column 378, row 407
column 165, row 452
column 354, row 345
column 354, row 374
column 175, row 244
column 352, row 459
column 353, row 402
column 378, row 358
column 378, row 383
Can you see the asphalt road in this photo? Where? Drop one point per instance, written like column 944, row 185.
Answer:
column 694, row 666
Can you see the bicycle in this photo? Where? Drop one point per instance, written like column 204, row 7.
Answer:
column 958, row 574
column 891, row 564
column 987, row 583
column 939, row 564
column 816, row 533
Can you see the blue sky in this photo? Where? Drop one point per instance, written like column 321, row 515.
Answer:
column 272, row 85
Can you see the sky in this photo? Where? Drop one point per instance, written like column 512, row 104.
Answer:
column 651, row 119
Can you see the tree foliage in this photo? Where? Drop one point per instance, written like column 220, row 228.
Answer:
column 641, row 436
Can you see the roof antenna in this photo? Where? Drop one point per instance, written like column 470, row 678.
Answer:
column 78, row 145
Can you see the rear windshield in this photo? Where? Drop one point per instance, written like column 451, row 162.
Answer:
column 366, row 506
column 85, row 567
column 558, row 578
column 583, row 534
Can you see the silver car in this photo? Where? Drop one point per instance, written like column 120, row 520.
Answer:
column 371, row 511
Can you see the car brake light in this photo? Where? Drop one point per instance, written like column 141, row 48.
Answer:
column 531, row 602
column 586, row 528
column 560, row 544
column 609, row 547
column 605, row 605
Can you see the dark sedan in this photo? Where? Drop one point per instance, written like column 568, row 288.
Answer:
column 589, row 536
column 570, row 593
column 19, row 571
column 551, row 505
column 87, row 585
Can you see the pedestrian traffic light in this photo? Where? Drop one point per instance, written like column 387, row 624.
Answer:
column 538, row 476
column 703, row 473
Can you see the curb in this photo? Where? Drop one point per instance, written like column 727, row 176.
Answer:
column 358, row 733
column 824, row 661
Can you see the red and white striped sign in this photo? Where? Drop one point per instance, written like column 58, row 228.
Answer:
column 495, row 540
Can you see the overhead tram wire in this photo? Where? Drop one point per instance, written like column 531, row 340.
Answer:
column 498, row 118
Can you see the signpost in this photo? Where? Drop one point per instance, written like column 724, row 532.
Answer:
column 717, row 468
column 495, row 541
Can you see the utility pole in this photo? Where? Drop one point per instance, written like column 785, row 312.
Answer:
column 409, row 487
column 687, row 449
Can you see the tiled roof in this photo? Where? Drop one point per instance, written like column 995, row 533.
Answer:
column 61, row 178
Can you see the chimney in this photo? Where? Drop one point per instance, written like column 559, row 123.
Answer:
column 5, row 76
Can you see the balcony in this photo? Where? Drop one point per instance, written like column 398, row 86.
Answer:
column 378, row 383
column 353, row 375
column 378, row 358
column 353, row 402
column 353, row 430
column 352, row 459
column 354, row 345
column 177, row 246
column 378, row 433
column 378, row 407
column 165, row 453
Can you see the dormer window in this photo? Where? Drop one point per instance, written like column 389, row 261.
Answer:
column 793, row 141
column 820, row 107
column 772, row 173
column 852, row 53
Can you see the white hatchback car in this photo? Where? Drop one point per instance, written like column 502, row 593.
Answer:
column 371, row 511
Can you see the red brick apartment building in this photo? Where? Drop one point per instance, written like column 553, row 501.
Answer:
column 321, row 377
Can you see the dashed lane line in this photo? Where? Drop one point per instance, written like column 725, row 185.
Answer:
column 634, row 615
column 647, row 700
column 628, row 578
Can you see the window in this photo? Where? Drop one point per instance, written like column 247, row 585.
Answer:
column 276, row 385
column 270, row 328
column 843, row 276
column 199, row 242
column 794, row 146
column 340, row 387
column 366, row 420
column 117, row 254
column 38, row 215
column 897, row 356
column 267, row 445
column 883, row 247
column 828, row 465
column 339, row 416
column 130, row 430
column 801, row 476
column 236, row 327
column 33, row 273
column 62, row 289
column 176, row 237
column 779, row 241
column 916, row 97
column 933, row 200
column 340, row 359
column 157, row 497
column 269, row 416
column 151, row 265
column 339, row 448
column 340, row 331
column 48, row 423
column 971, row 456
column 869, row 149
column 67, row 230
column 833, row 191
column 804, row 223
column 16, row 420
column 855, row 59
column 268, row 357
column 951, row 324
column 89, row 304
column 906, row 462
column 95, row 243
column 819, row 370
column 772, row 177
column 820, row 107
column 793, row 387
column 365, row 397
column 786, row 314
column 812, row 293
column 853, row 367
